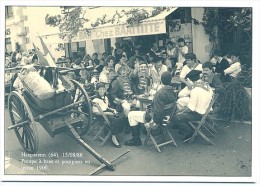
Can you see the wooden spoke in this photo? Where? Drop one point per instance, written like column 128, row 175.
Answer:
column 26, row 140
column 14, row 106
column 19, row 112
column 15, row 113
column 83, row 111
column 23, row 135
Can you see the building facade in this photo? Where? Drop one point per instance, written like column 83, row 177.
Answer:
column 24, row 24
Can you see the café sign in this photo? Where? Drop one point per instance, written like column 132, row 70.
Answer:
column 145, row 28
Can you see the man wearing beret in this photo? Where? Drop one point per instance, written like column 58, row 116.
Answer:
column 191, row 65
column 198, row 102
column 162, row 97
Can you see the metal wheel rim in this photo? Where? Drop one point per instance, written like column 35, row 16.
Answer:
column 20, row 111
column 88, row 116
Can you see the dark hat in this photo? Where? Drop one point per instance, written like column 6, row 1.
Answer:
column 194, row 75
column 181, row 40
column 166, row 78
column 99, row 85
column 157, row 59
column 142, row 62
column 96, row 61
column 190, row 56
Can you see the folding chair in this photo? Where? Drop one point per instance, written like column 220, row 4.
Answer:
column 202, row 123
column 171, row 108
column 105, row 125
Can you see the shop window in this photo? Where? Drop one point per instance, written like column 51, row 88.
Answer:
column 8, row 11
column 7, row 40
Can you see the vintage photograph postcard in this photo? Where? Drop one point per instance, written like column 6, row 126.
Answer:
column 129, row 92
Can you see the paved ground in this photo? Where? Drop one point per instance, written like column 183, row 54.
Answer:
column 231, row 156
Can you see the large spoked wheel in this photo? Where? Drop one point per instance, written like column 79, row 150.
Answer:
column 20, row 112
column 84, row 110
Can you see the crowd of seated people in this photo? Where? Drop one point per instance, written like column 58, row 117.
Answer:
column 126, row 75
column 122, row 77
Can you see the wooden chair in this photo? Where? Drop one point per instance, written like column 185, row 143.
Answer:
column 105, row 124
column 171, row 108
column 203, row 123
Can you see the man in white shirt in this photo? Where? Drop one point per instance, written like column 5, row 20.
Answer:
column 235, row 66
column 171, row 50
column 192, row 64
column 157, row 69
column 200, row 98
column 182, row 50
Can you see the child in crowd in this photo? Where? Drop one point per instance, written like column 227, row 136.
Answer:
column 116, row 119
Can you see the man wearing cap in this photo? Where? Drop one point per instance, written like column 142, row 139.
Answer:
column 191, row 65
column 184, row 94
column 162, row 97
column 199, row 100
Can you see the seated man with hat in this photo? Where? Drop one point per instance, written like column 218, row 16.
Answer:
column 198, row 102
column 184, row 94
column 162, row 97
column 191, row 65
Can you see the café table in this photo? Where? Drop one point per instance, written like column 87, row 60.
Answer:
column 144, row 101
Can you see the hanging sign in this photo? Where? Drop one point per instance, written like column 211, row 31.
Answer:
column 145, row 28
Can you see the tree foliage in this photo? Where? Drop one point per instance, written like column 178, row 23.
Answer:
column 215, row 26
column 70, row 23
column 240, row 18
column 235, row 103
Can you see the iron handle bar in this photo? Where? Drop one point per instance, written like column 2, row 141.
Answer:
column 45, row 115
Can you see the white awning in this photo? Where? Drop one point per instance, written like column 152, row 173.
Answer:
column 119, row 28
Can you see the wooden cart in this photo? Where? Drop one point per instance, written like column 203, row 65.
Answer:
column 69, row 110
